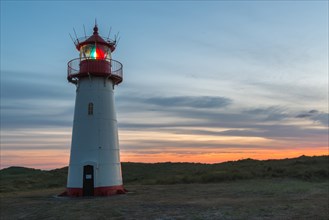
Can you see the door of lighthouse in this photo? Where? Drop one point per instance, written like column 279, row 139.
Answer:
column 88, row 180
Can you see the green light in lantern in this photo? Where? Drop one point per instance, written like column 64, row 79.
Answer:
column 93, row 53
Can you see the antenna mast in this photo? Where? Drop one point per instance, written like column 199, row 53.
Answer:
column 116, row 39
column 108, row 36
column 72, row 39
column 84, row 30
column 76, row 35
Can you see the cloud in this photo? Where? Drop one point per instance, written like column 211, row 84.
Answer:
column 286, row 93
column 313, row 111
column 316, row 116
column 271, row 113
column 323, row 118
column 274, row 123
column 26, row 85
column 165, row 145
column 43, row 104
column 190, row 101
column 303, row 116
column 308, row 114
column 30, row 100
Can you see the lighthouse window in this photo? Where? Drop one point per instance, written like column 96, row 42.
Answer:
column 90, row 108
column 91, row 51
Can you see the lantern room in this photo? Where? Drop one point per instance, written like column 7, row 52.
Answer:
column 95, row 59
column 95, row 47
column 94, row 51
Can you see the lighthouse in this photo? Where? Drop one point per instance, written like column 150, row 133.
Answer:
column 94, row 168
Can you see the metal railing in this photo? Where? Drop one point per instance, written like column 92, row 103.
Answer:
column 111, row 68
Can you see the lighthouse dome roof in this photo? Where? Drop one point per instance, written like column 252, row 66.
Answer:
column 95, row 39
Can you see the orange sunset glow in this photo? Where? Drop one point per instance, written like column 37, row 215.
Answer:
column 52, row 159
column 194, row 148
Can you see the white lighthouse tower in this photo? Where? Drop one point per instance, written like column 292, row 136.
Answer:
column 94, row 168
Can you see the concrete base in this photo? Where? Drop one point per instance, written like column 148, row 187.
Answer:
column 98, row 191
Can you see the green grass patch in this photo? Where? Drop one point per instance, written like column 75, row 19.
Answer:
column 302, row 168
column 309, row 169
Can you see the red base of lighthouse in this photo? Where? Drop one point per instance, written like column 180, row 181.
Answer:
column 98, row 191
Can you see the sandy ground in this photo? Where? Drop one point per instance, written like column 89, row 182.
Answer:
column 263, row 199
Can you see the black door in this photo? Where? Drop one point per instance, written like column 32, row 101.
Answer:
column 88, row 180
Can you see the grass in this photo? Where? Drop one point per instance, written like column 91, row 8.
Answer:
column 20, row 178
column 302, row 168
column 243, row 199
column 246, row 189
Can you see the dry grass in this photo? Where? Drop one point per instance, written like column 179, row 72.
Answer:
column 245, row 199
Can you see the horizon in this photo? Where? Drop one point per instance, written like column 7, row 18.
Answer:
column 203, row 82
column 230, row 161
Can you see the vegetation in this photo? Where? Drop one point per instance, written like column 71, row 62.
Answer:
column 245, row 189
column 303, row 168
column 275, row 199
column 312, row 169
column 21, row 179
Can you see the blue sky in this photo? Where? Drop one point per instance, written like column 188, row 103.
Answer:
column 200, row 78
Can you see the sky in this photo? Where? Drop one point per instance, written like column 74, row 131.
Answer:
column 204, row 81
